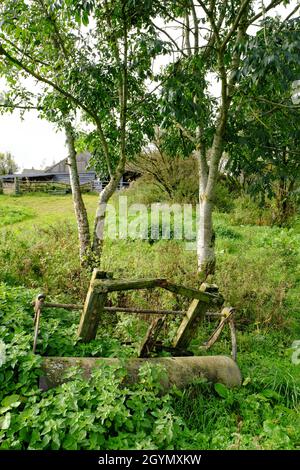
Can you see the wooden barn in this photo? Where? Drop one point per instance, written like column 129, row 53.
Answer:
column 56, row 179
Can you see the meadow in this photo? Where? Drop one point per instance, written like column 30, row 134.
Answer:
column 258, row 273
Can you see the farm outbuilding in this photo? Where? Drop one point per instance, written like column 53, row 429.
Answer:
column 56, row 179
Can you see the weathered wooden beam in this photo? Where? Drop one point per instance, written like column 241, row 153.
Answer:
column 144, row 311
column 151, row 336
column 180, row 371
column 197, row 310
column 91, row 315
column 189, row 325
column 226, row 313
column 211, row 298
column 104, row 285
column 120, row 285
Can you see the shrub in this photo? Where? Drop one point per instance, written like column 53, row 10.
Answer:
column 143, row 191
column 223, row 197
column 247, row 212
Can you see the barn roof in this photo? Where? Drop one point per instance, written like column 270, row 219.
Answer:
column 80, row 157
column 30, row 171
column 27, row 175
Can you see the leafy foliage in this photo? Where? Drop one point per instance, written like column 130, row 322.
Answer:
column 84, row 67
column 264, row 135
column 7, row 164
column 97, row 414
column 104, row 413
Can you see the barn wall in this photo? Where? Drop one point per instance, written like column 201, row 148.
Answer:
column 8, row 188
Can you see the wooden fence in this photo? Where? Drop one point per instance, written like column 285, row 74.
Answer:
column 19, row 186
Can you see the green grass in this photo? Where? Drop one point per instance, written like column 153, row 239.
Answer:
column 44, row 209
column 12, row 215
column 258, row 266
column 258, row 273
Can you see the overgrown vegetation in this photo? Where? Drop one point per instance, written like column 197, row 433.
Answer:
column 14, row 215
column 218, row 125
column 7, row 164
column 258, row 273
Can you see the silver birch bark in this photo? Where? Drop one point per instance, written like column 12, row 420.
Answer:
column 79, row 207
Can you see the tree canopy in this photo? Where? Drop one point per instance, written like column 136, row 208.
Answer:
column 7, row 164
column 264, row 135
column 94, row 60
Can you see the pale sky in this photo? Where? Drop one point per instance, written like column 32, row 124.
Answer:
column 35, row 143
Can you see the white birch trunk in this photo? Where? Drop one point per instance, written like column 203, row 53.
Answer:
column 208, row 177
column 205, row 240
column 79, row 207
column 99, row 223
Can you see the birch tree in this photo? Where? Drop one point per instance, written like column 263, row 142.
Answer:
column 96, row 56
column 215, row 34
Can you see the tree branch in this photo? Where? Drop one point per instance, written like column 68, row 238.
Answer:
column 236, row 22
column 25, row 53
column 210, row 16
column 279, row 105
column 271, row 5
column 64, row 93
column 45, row 80
column 168, row 36
column 16, row 106
column 185, row 132
column 196, row 27
column 289, row 16
column 59, row 43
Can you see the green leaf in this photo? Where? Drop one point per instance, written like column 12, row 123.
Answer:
column 268, row 393
column 85, row 18
column 269, row 426
column 70, row 443
column 221, row 390
column 5, row 421
column 4, row 409
column 11, row 401
column 246, row 381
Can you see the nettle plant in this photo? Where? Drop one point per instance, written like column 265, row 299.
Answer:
column 99, row 413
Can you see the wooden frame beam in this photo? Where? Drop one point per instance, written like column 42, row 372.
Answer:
column 107, row 285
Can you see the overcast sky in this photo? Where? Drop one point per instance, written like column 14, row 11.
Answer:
column 35, row 143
